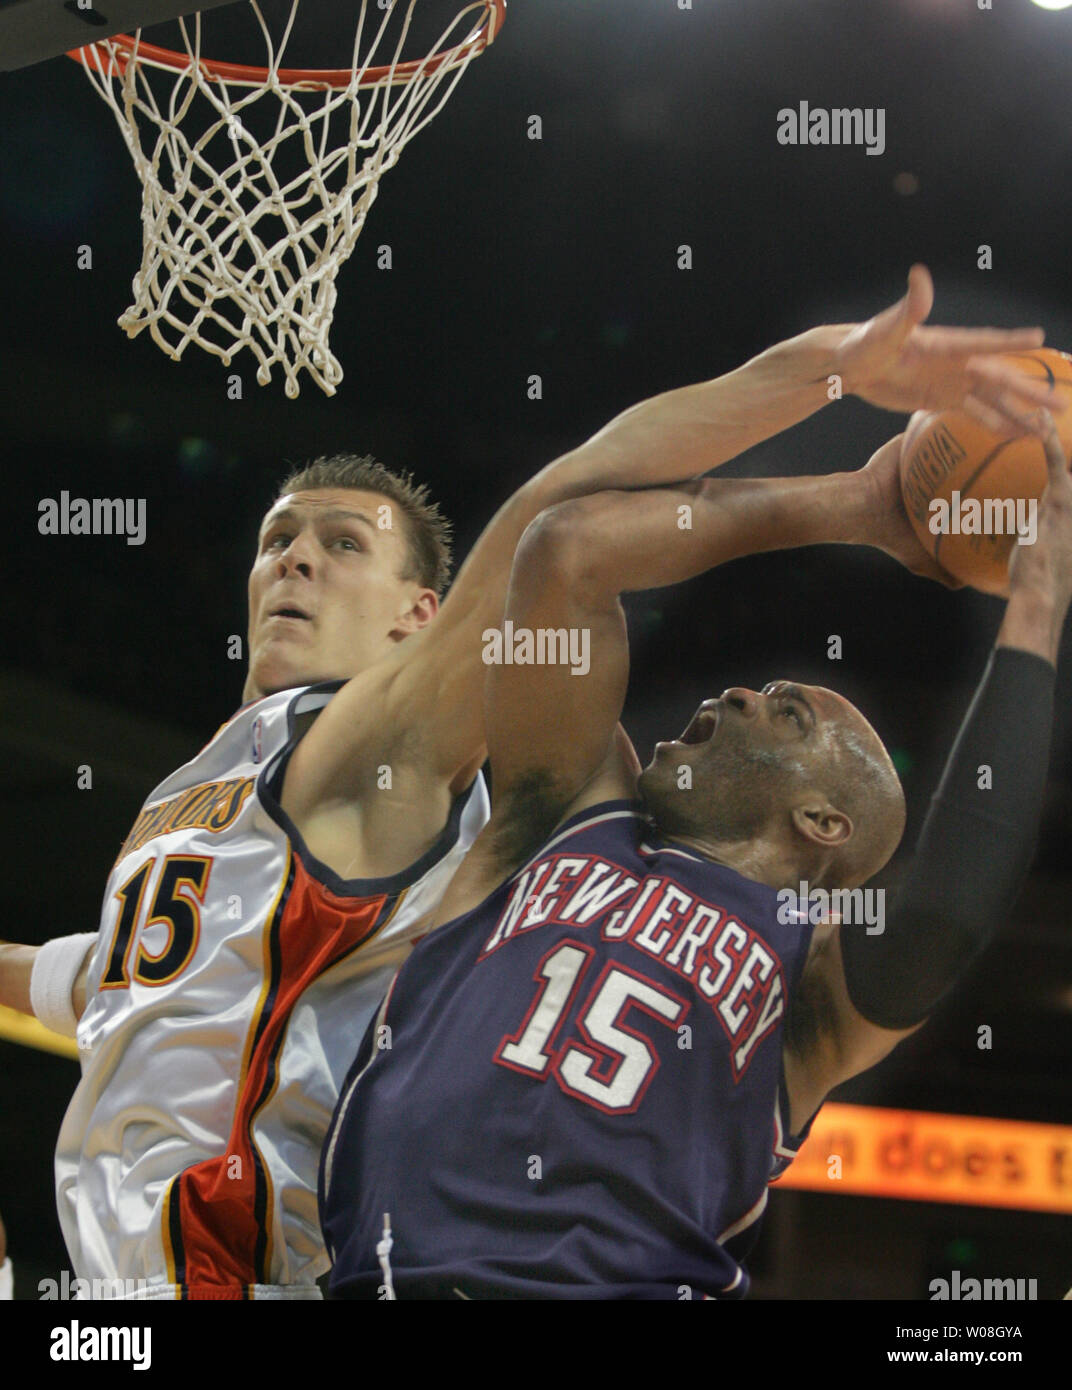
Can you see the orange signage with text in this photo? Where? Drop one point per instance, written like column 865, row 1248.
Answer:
column 924, row 1157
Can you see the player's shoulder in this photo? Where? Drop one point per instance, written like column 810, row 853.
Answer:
column 372, row 711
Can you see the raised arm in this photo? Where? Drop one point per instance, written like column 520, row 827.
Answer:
column 16, row 968
column 578, row 557
column 864, row 993
column 552, row 723
column 432, row 683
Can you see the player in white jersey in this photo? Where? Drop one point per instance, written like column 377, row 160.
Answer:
column 255, row 965
column 268, row 886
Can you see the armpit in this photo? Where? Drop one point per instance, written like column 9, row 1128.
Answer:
column 525, row 816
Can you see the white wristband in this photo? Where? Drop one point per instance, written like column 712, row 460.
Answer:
column 7, row 1281
column 55, row 970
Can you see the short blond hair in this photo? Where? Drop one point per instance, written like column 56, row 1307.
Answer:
column 428, row 532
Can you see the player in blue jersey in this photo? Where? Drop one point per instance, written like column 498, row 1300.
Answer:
column 581, row 1085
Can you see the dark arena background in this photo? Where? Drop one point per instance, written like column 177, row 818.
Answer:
column 560, row 257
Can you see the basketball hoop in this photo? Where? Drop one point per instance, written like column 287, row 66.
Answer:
column 237, row 251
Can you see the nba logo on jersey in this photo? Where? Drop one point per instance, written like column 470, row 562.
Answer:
column 258, row 730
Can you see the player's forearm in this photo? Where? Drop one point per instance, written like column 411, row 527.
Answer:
column 684, row 433
column 978, row 840
column 676, row 436
column 670, row 438
column 974, row 850
column 1039, row 597
column 16, row 971
column 1031, row 624
column 1040, row 578
column 50, row 982
column 623, row 541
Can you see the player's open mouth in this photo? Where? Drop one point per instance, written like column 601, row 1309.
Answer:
column 289, row 613
column 703, row 724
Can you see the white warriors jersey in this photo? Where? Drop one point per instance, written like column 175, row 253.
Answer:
column 231, row 984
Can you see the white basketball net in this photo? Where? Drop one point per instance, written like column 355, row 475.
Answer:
column 236, row 254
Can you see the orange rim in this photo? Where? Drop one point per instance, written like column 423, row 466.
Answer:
column 124, row 47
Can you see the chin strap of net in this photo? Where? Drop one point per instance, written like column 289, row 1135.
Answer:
column 243, row 236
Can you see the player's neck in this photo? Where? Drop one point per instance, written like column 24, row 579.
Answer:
column 752, row 859
column 255, row 690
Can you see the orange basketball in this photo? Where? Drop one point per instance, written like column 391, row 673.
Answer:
column 968, row 491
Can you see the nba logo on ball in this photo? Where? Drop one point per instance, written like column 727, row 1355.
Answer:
column 258, row 730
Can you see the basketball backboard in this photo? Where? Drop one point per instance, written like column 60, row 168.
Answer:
column 33, row 30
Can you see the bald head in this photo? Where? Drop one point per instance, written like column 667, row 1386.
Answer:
column 863, row 783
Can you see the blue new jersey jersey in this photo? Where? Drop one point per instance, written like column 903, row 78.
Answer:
column 576, row 1089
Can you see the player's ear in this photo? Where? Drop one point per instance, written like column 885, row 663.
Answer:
column 821, row 823
column 419, row 614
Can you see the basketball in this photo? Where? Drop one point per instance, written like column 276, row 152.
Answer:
column 969, row 492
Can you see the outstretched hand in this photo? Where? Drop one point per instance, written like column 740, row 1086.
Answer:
column 896, row 362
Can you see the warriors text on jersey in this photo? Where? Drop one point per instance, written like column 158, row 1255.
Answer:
column 576, row 1089
column 231, row 983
